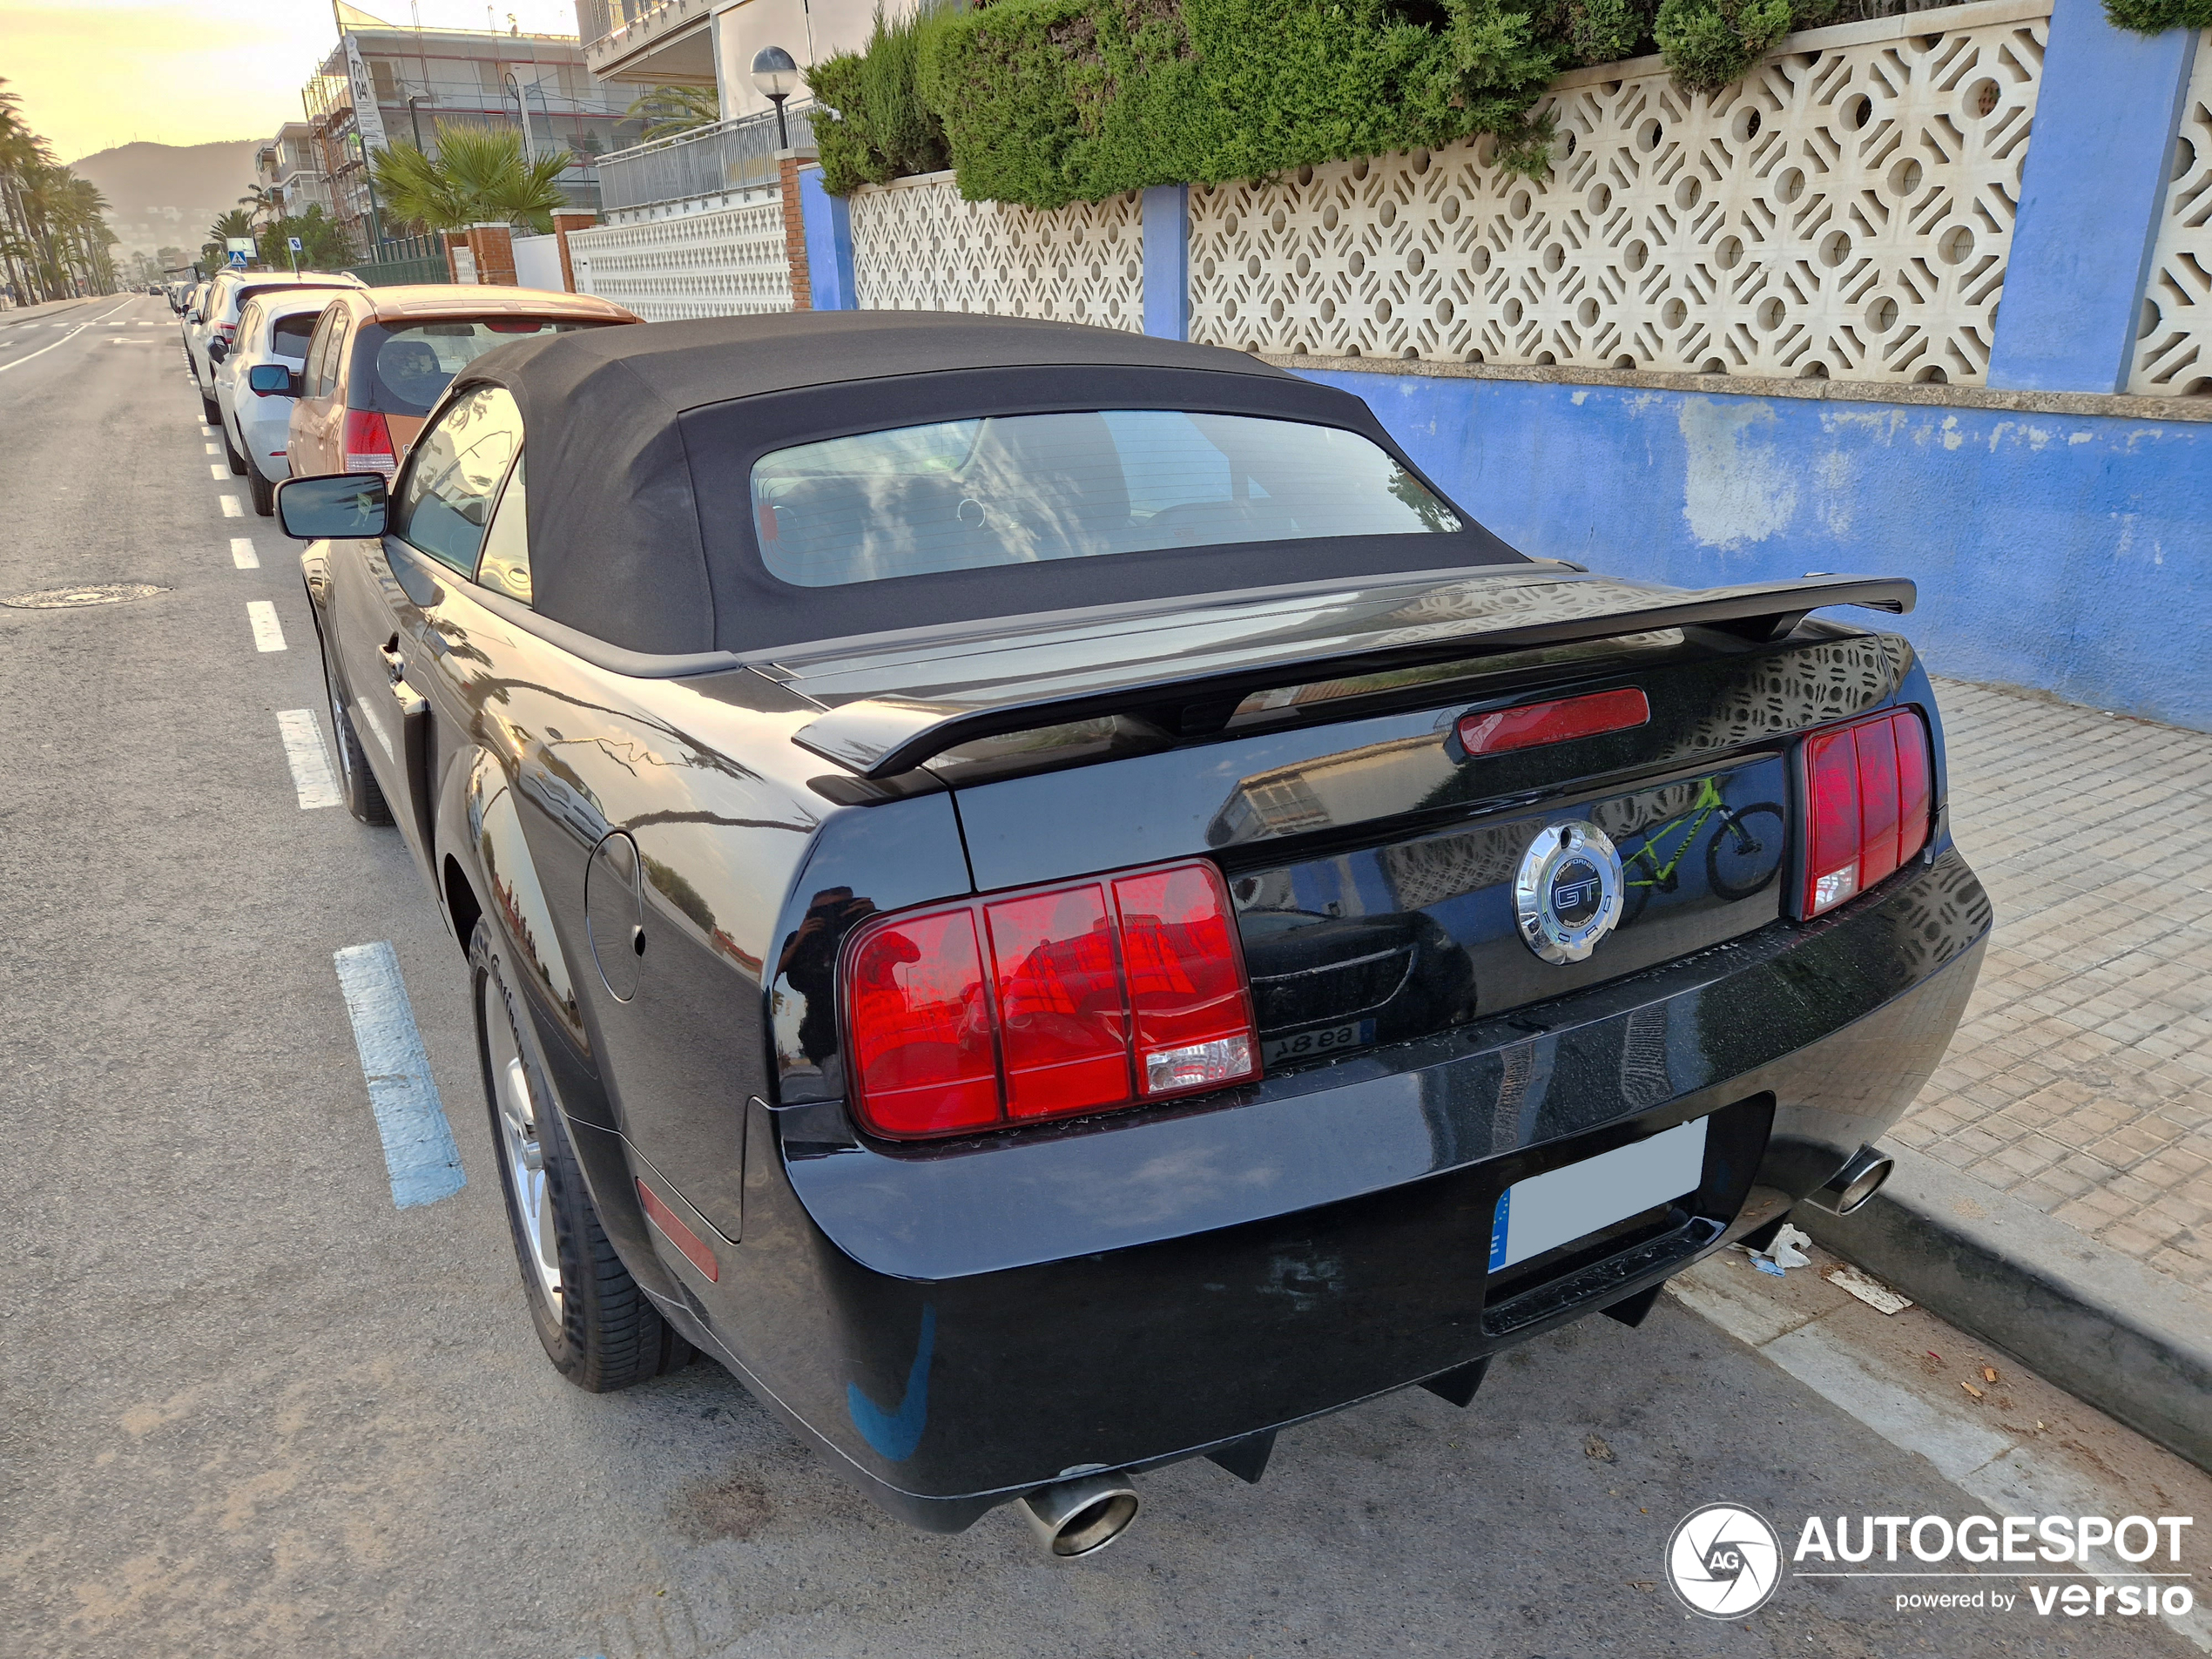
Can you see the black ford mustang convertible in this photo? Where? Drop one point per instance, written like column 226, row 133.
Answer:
column 1048, row 900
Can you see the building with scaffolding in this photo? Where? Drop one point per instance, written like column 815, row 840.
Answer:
column 394, row 83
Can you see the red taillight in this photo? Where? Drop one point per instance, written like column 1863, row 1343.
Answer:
column 1867, row 788
column 368, row 442
column 1081, row 998
column 1554, row 722
column 226, row 332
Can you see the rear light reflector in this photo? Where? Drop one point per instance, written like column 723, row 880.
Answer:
column 1533, row 723
column 368, row 442
column 1085, row 997
column 1867, row 798
column 673, row 1228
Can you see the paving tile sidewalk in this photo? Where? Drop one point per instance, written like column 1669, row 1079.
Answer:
column 2081, row 1081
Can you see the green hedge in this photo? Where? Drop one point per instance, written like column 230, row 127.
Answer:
column 1046, row 102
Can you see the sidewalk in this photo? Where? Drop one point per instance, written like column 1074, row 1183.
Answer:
column 2081, row 1081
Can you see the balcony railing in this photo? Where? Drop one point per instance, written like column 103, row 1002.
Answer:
column 706, row 161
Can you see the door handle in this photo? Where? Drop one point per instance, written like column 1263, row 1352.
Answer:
column 395, row 660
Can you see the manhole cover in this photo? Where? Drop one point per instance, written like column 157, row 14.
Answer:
column 103, row 593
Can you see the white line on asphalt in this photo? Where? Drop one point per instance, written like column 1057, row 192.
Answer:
column 231, row 507
column 74, row 329
column 269, row 632
column 2018, row 1479
column 418, row 1154
column 218, row 471
column 207, row 431
column 242, row 553
column 310, row 761
column 210, row 448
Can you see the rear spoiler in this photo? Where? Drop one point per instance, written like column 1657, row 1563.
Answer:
column 879, row 737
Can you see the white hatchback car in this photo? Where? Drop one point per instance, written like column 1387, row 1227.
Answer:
column 272, row 329
column 212, row 325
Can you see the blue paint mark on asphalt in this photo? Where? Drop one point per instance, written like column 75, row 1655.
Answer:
column 419, row 1152
column 895, row 1434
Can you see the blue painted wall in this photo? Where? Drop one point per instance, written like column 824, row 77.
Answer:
column 2069, row 553
column 828, row 223
column 2106, row 114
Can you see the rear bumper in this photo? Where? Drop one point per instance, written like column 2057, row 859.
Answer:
column 956, row 1329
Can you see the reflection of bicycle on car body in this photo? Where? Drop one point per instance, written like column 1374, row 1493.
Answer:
column 1743, row 856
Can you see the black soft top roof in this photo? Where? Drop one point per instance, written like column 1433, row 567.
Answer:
column 640, row 443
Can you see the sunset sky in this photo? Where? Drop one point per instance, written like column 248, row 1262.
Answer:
column 94, row 73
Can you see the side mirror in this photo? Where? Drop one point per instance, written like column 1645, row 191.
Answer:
column 217, row 351
column 339, row 504
column 270, row 379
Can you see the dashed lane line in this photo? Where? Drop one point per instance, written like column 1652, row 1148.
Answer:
column 269, row 632
column 218, row 471
column 242, row 553
column 74, row 330
column 231, row 507
column 209, row 449
column 312, row 777
column 420, row 1156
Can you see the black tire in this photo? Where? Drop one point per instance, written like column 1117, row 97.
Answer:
column 364, row 795
column 238, row 463
column 262, row 490
column 1745, row 852
column 604, row 1332
column 212, row 410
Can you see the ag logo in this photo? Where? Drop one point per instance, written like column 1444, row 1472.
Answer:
column 1566, row 894
column 1723, row 1561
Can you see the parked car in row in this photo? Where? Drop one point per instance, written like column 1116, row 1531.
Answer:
column 212, row 320
column 1050, row 902
column 381, row 358
column 273, row 330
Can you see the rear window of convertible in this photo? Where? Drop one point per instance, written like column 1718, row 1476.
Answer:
column 1020, row 489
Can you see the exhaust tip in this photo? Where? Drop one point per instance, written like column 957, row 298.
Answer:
column 1859, row 1179
column 1081, row 1517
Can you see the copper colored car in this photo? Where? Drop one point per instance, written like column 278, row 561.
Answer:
column 380, row 357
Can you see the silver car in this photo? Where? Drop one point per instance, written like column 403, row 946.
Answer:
column 273, row 328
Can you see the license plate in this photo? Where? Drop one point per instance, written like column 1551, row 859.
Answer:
column 1308, row 1045
column 1561, row 1205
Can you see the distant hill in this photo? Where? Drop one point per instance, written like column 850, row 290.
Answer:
column 167, row 194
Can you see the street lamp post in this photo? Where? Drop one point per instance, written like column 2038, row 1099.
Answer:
column 776, row 74
column 414, row 119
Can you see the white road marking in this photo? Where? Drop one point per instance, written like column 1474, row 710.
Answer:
column 74, row 330
column 210, row 449
column 231, row 507
column 218, row 471
column 310, row 761
column 269, row 632
column 207, row 431
column 242, row 553
column 418, row 1154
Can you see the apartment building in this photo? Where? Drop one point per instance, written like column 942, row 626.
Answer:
column 385, row 83
column 712, row 43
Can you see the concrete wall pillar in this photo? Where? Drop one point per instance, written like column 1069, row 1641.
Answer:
column 563, row 224
column 1167, row 261
column 494, row 245
column 2091, row 195
column 828, row 222
column 788, row 163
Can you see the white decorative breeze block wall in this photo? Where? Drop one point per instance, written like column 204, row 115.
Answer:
column 1845, row 211
column 2173, row 355
column 716, row 262
column 918, row 246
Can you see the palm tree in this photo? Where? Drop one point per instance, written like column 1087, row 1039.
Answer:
column 477, row 177
column 263, row 200
column 667, row 110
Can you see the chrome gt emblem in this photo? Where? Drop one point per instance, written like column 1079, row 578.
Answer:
column 1566, row 894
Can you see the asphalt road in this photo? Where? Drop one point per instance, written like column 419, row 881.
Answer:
column 247, row 1406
